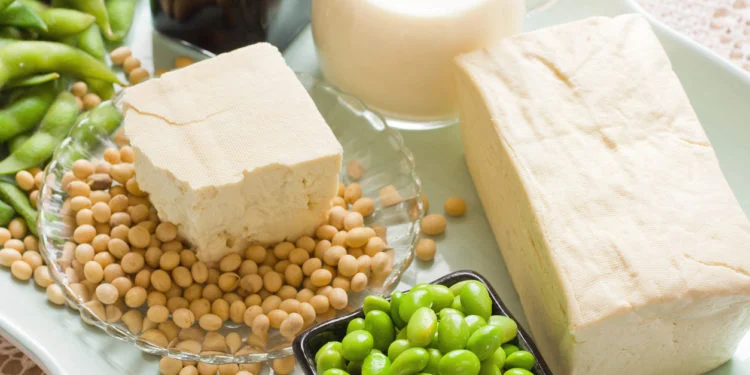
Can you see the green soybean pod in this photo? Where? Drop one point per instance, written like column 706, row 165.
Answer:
column 373, row 302
column 91, row 42
column 518, row 371
column 380, row 325
column 412, row 301
column 26, row 111
column 4, row 4
column 60, row 22
column 520, row 359
column 18, row 15
column 15, row 143
column 32, row 80
column 422, row 327
column 459, row 362
column 397, row 347
column 509, row 349
column 97, row 9
column 396, row 298
column 453, row 333
column 411, row 361
column 484, row 341
column 329, row 359
column 508, row 325
column 474, row 322
column 6, row 213
column 120, row 17
column 376, row 364
column 476, row 300
column 335, row 371
column 104, row 89
column 434, row 362
column 331, row 345
column 356, row 345
column 488, row 368
column 11, row 194
column 355, row 324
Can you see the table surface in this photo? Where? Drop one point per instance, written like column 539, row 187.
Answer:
column 722, row 25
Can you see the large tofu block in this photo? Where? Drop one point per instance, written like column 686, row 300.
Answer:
column 626, row 245
column 233, row 150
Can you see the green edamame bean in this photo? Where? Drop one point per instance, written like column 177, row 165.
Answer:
column 32, row 80
column 357, row 345
column 509, row 349
column 376, row 303
column 354, row 367
column 488, row 368
column 356, row 324
column 499, row 357
column 456, row 288
column 456, row 305
column 11, row 194
column 6, row 213
column 474, row 322
column 449, row 310
column 518, row 371
column 120, row 17
column 435, row 343
column 442, row 297
column 26, row 111
column 329, row 359
column 484, row 341
column 476, row 300
column 401, row 335
column 520, row 359
column 413, row 301
column 379, row 324
column 376, row 364
column 459, row 362
column 336, row 371
column 453, row 332
column 97, row 9
column 422, row 327
column 60, row 22
column 39, row 147
column 18, row 15
column 411, row 361
column 397, row 347
column 508, row 325
column 331, row 345
column 396, row 298
column 91, row 42
column 434, row 362
column 25, row 58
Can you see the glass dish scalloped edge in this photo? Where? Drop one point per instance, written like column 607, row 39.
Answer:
column 365, row 137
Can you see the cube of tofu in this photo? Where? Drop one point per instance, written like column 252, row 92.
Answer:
column 233, row 151
column 624, row 241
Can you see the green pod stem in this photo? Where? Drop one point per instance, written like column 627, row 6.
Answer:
column 26, row 111
column 19, row 15
column 97, row 9
column 121, row 14
column 60, row 22
column 33, row 80
column 39, row 147
column 6, row 213
column 25, row 58
column 91, row 42
column 15, row 143
column 11, row 194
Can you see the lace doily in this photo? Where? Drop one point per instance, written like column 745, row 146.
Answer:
column 722, row 25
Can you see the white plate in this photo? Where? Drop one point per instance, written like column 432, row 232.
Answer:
column 719, row 91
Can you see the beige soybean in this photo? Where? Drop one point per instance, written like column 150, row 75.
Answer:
column 352, row 193
column 160, row 280
column 4, row 235
column 230, row 263
column 169, row 366
column 389, row 196
column 426, row 249
column 260, row 324
column 338, row 298
column 320, row 303
column 25, row 180
column 358, row 237
column 284, row 366
column 276, row 317
column 15, row 244
column 229, row 281
column 434, row 224
column 256, row 253
column 355, row 170
column 93, row 271
column 158, row 313
column 455, row 206
column 210, row 322
column 220, row 308
column 21, row 270
column 339, row 239
column 169, row 260
column 333, row 254
column 55, row 294
column 321, row 277
column 107, row 293
column 364, row 206
column 292, row 325
column 358, row 282
column 336, row 216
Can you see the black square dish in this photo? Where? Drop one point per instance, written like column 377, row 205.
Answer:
column 308, row 343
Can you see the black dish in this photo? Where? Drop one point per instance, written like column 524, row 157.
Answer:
column 307, row 344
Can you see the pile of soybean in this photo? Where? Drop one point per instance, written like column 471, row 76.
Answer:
column 432, row 329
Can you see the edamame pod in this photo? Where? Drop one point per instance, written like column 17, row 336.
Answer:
column 91, row 42
column 104, row 89
column 60, row 22
column 15, row 143
column 355, row 324
column 459, row 362
column 520, row 359
column 4, row 4
column 376, row 364
column 26, row 111
column 120, row 17
column 412, row 301
column 411, row 361
column 11, row 194
column 6, row 213
column 485, row 340
column 453, row 333
column 380, row 325
column 25, row 58
column 18, row 15
column 97, row 9
column 422, row 327
column 32, row 80
column 508, row 325
column 39, row 147
column 476, row 300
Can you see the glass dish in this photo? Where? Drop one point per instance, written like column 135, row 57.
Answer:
column 306, row 345
column 365, row 138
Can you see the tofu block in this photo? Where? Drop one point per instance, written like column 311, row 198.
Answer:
column 233, row 150
column 624, row 241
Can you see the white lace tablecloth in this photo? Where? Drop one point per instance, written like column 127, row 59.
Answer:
column 722, row 25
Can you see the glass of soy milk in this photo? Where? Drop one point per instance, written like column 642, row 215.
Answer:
column 397, row 55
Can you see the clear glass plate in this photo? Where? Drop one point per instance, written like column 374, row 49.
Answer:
column 365, row 138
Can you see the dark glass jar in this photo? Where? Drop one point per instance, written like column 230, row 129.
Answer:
column 224, row 25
